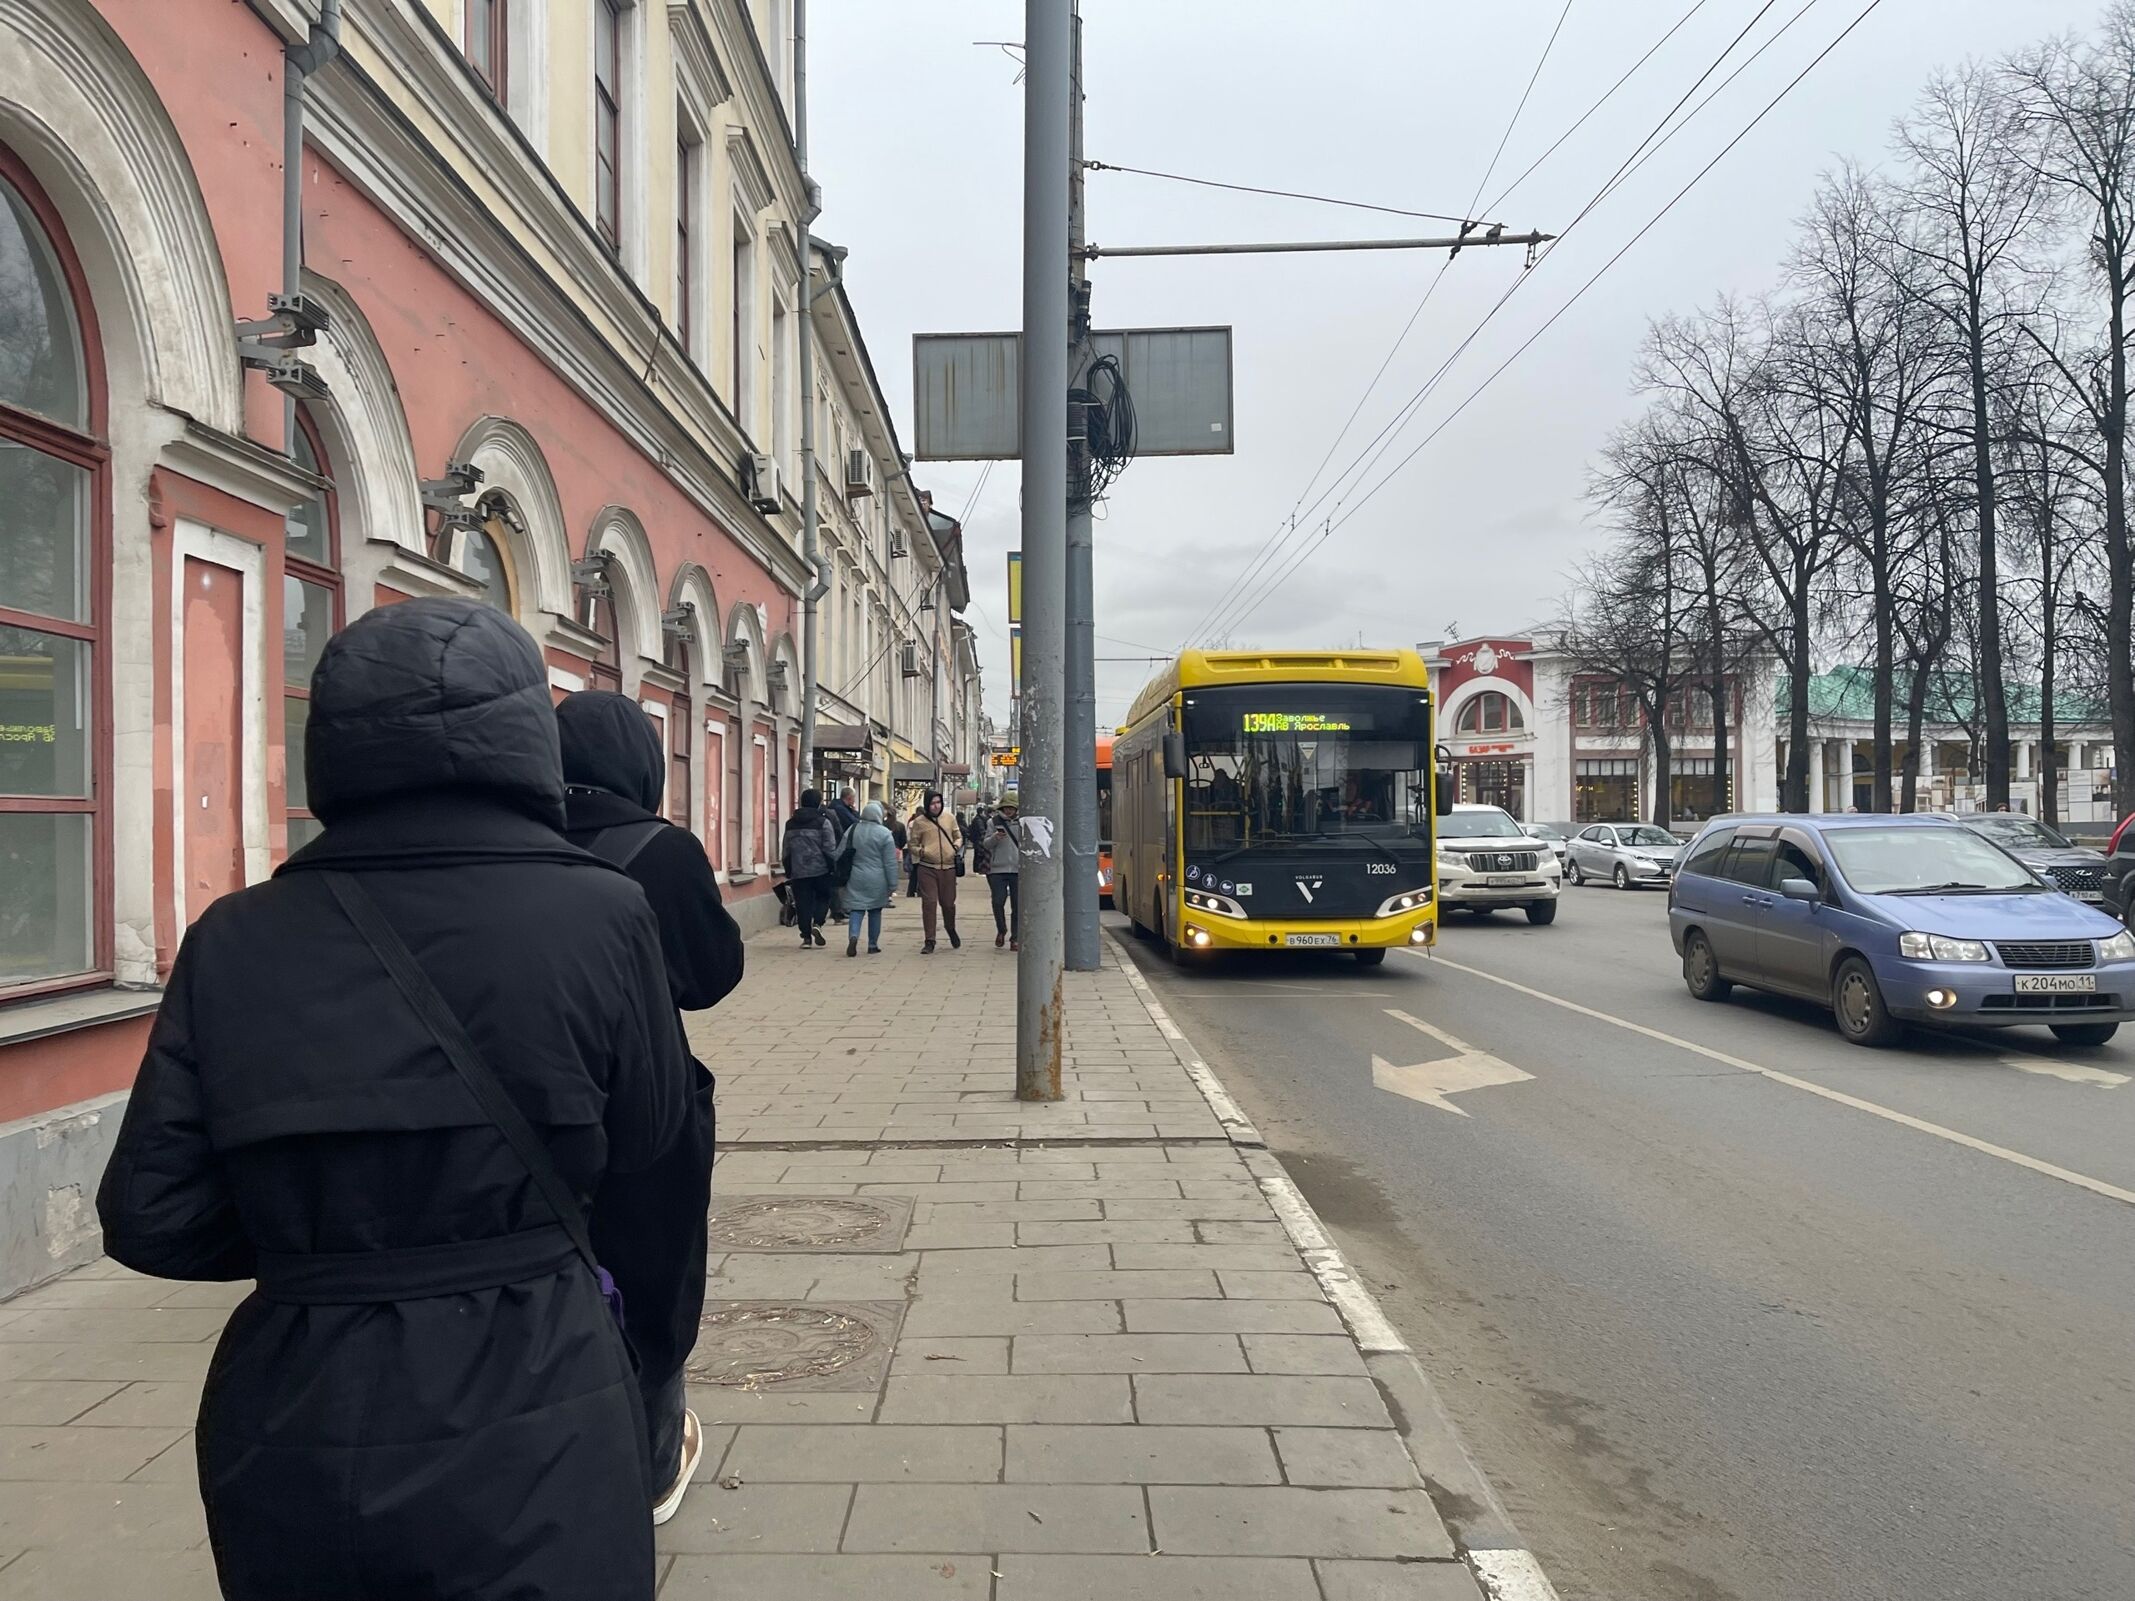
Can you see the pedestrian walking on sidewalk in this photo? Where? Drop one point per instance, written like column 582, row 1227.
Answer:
column 871, row 877
column 1004, row 875
column 649, row 1228
column 379, row 1084
column 811, row 842
column 937, row 862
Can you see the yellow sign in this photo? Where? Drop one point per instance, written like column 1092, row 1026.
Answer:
column 1015, row 586
column 1015, row 659
column 1007, row 758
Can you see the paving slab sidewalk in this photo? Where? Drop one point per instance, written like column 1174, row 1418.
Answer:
column 1077, row 1355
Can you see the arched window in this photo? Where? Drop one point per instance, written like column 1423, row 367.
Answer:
column 1490, row 713
column 679, row 720
column 608, row 665
column 54, row 570
column 483, row 558
column 311, row 611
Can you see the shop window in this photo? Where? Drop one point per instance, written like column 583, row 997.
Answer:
column 1604, row 789
column 1690, row 789
column 311, row 611
column 1490, row 713
column 54, row 552
column 489, row 45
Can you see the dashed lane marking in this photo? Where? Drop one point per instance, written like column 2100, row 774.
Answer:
column 2002, row 1153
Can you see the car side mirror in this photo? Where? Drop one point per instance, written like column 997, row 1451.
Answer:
column 1174, row 755
column 1800, row 889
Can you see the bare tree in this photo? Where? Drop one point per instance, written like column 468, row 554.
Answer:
column 1627, row 623
column 2078, row 99
column 1974, row 203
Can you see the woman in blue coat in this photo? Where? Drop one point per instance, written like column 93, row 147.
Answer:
column 874, row 877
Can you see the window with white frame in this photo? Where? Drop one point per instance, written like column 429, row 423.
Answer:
column 689, row 233
column 741, row 282
column 608, row 98
column 782, row 359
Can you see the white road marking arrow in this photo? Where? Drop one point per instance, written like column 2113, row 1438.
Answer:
column 1432, row 1082
column 2071, row 1072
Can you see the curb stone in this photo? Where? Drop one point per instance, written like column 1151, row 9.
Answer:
column 1482, row 1528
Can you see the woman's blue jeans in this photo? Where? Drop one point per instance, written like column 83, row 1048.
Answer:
column 874, row 925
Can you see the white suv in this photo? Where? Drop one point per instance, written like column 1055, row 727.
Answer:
column 1487, row 860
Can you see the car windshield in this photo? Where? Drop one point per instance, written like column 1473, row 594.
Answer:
column 2017, row 833
column 1913, row 861
column 1491, row 824
column 1646, row 835
column 1284, row 764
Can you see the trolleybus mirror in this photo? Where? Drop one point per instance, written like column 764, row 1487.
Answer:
column 1174, row 755
column 1444, row 788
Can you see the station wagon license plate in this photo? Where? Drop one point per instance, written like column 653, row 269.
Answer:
column 1312, row 939
column 2056, row 983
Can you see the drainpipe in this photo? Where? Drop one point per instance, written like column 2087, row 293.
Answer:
column 811, row 553
column 299, row 61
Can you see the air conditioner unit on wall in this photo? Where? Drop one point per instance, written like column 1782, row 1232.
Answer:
column 761, row 482
column 897, row 544
column 911, row 660
column 859, row 474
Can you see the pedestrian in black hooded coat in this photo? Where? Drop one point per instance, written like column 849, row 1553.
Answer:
column 426, row 1395
column 649, row 1228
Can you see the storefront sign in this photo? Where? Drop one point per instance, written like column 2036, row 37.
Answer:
column 1487, row 750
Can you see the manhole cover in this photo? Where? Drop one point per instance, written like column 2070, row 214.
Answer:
column 809, row 1222
column 756, row 1345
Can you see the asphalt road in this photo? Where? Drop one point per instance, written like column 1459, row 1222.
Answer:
column 1712, row 1333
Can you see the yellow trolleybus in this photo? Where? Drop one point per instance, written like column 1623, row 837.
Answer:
column 1273, row 800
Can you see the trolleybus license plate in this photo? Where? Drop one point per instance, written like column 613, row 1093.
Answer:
column 1312, row 939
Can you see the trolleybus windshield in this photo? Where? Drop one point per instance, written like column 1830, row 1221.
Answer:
column 1284, row 764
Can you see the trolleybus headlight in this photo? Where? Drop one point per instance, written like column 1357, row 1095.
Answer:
column 1420, row 934
column 1410, row 901
column 1196, row 936
column 1215, row 905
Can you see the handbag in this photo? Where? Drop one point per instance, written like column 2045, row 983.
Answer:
column 841, row 865
column 415, row 986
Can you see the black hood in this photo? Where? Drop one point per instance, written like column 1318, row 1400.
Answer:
column 609, row 743
column 432, row 695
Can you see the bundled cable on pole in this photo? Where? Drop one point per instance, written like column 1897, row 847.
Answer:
column 1107, row 411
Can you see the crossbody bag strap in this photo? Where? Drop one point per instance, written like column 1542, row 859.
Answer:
column 414, row 984
column 619, row 846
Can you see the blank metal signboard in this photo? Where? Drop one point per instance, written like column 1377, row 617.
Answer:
column 966, row 396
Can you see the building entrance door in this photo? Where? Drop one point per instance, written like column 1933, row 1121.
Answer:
column 1496, row 784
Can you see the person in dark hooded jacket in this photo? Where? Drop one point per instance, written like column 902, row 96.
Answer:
column 811, row 844
column 649, row 1228
column 426, row 1394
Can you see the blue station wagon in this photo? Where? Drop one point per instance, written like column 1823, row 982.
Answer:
column 1895, row 920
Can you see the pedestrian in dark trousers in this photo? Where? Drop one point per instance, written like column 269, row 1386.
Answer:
column 842, row 816
column 426, row 1393
column 811, row 842
column 871, row 881
column 937, row 860
column 1004, row 876
column 649, row 1228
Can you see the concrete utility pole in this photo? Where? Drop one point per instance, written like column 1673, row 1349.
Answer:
column 811, row 552
column 1079, row 813
column 1047, row 26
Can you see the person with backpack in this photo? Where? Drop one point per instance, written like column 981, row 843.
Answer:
column 650, row 1227
column 867, row 865
column 811, row 842
column 1003, row 867
column 382, row 1085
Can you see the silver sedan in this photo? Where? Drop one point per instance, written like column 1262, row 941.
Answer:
column 1624, row 854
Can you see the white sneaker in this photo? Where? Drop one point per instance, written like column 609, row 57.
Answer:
column 692, row 1454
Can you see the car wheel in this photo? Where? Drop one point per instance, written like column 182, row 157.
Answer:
column 1857, row 1004
column 2084, row 1033
column 1376, row 958
column 1542, row 912
column 1623, row 876
column 1571, row 871
column 1701, row 969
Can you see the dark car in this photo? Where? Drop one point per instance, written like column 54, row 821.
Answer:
column 2072, row 869
column 1895, row 920
column 2120, row 871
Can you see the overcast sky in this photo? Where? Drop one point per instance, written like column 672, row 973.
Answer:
column 917, row 138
